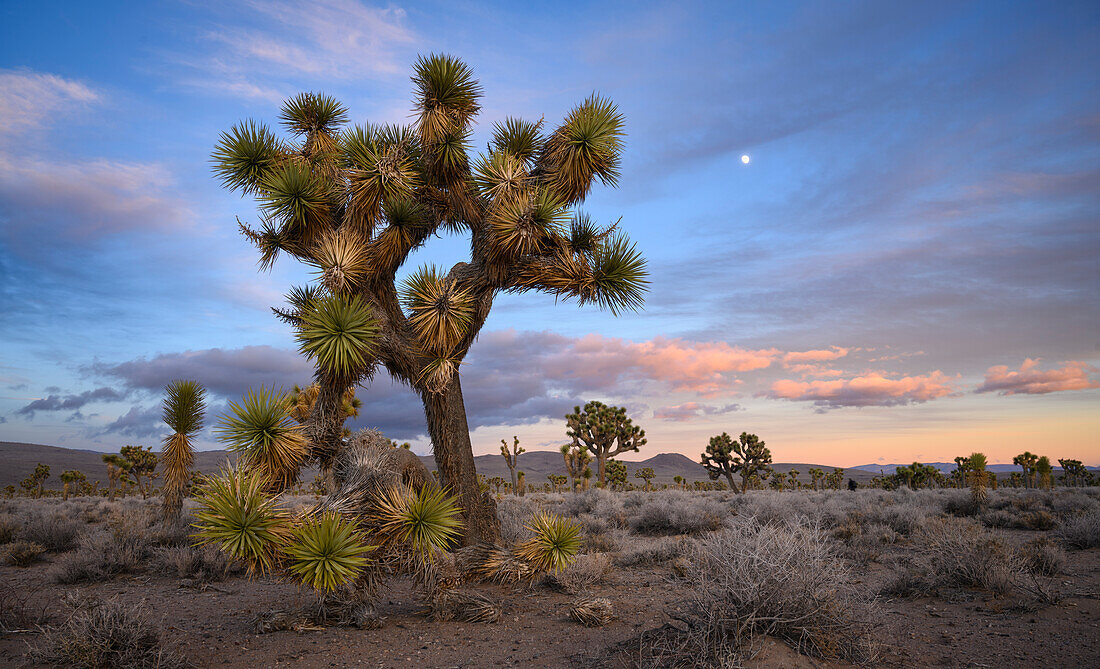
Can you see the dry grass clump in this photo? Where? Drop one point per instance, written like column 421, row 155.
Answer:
column 1043, row 557
column 782, row 580
column 591, row 611
column 601, row 503
column 956, row 553
column 651, row 552
column 54, row 531
column 9, row 527
column 1081, row 531
column 23, row 553
column 20, row 611
column 469, row 607
column 676, row 512
column 106, row 635
column 586, row 572
column 204, row 563
column 515, row 513
column 103, row 554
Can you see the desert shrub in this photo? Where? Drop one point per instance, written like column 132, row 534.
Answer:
column 650, row 552
column 23, row 553
column 998, row 518
column 103, row 554
column 958, row 553
column 9, row 527
column 1081, row 531
column 1072, row 503
column 676, row 512
column 782, row 580
column 607, row 542
column 205, row 563
column 1037, row 520
column 515, row 513
column 586, row 572
column 106, row 635
column 21, row 610
column 902, row 517
column 54, row 531
column 1043, row 557
column 599, row 503
column 960, row 503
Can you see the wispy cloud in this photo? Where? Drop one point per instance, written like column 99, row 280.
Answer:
column 689, row 410
column 1030, row 380
column 871, row 389
column 71, row 402
column 30, row 100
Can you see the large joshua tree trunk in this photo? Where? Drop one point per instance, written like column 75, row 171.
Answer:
column 454, row 458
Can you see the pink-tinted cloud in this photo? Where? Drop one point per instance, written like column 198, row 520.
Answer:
column 871, row 389
column 821, row 355
column 30, row 99
column 596, row 362
column 689, row 410
column 1030, row 380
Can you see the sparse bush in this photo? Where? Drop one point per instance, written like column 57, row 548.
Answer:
column 204, row 563
column 608, row 542
column 1081, row 531
column 53, row 531
column 1037, row 520
column 676, row 512
column 19, row 610
column 958, row 553
column 600, row 503
column 9, row 527
column 103, row 554
column 515, row 514
column 586, row 572
column 23, row 553
column 106, row 635
column 783, row 580
column 650, row 552
column 1043, row 557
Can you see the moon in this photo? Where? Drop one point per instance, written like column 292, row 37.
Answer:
column 745, row 159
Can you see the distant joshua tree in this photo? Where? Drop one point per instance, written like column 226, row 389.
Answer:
column 143, row 462
column 816, row 474
column 497, row 482
column 605, row 431
column 725, row 457
column 356, row 202
column 576, row 462
column 793, row 476
column 977, row 474
column 647, row 474
column 69, row 477
column 557, row 480
column 1026, row 462
column 511, row 457
column 184, row 404
column 117, row 467
column 616, row 474
column 1044, row 470
column 38, row 479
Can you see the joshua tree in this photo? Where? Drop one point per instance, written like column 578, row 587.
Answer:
column 1026, row 461
column 793, row 476
column 586, row 478
column 961, row 466
column 68, row 477
column 816, row 474
column 38, row 479
column 1043, row 469
column 645, row 473
column 143, row 462
column 725, row 457
column 836, row 478
column 576, row 462
column 1073, row 471
column 605, row 431
column 557, row 480
column 511, row 457
column 184, row 404
column 355, row 204
column 976, row 470
column 117, row 466
column 521, row 483
column 497, row 482
column 678, row 480
column 616, row 474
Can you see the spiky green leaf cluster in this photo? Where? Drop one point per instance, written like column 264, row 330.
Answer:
column 293, row 194
column 313, row 112
column 339, row 332
column 235, row 514
column 427, row 520
column 554, row 545
column 261, row 429
column 326, row 552
column 245, row 154
column 439, row 312
column 184, row 403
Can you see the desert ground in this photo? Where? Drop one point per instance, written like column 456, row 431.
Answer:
column 763, row 579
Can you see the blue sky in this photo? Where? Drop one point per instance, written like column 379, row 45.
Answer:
column 906, row 269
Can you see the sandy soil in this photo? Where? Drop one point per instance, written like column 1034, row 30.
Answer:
column 212, row 624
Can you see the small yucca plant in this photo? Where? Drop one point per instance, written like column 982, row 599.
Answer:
column 426, row 520
column 976, row 465
column 269, row 441
column 236, row 515
column 555, row 544
column 340, row 334
column 184, row 404
column 326, row 552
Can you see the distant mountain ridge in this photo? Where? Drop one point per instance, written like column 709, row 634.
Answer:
column 20, row 459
